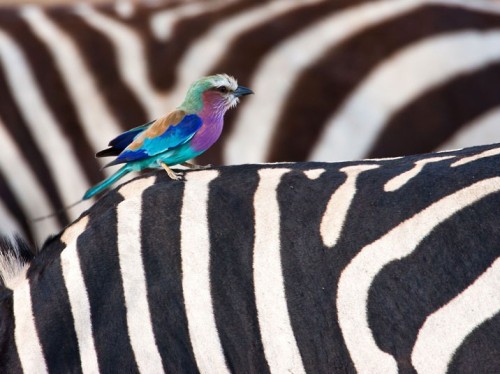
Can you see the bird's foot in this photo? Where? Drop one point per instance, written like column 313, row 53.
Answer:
column 195, row 167
column 171, row 173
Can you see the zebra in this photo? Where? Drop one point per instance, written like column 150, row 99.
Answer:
column 373, row 266
column 394, row 77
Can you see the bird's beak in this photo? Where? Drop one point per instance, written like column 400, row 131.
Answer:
column 242, row 91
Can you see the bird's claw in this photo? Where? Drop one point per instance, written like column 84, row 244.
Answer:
column 174, row 176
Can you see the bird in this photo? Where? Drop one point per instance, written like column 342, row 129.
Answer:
column 177, row 137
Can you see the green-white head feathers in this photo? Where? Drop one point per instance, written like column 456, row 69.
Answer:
column 220, row 91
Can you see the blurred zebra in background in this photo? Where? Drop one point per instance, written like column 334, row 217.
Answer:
column 333, row 80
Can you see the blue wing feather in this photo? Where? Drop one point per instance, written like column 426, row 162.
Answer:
column 122, row 141
column 172, row 137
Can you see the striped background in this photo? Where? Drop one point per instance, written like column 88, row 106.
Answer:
column 334, row 80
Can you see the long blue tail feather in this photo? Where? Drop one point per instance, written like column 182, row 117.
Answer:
column 107, row 182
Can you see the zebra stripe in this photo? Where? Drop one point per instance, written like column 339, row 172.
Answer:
column 134, row 285
column 270, row 102
column 339, row 204
column 356, row 57
column 466, row 160
column 42, row 122
column 69, row 63
column 455, row 321
column 11, row 164
column 351, row 120
column 400, row 180
column 195, row 254
column 279, row 342
column 473, row 131
column 236, row 271
column 129, row 51
column 78, row 298
column 26, row 337
column 203, row 53
column 357, row 277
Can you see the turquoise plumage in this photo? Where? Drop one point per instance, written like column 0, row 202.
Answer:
column 178, row 136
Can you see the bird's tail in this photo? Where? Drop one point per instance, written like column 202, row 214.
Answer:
column 107, row 182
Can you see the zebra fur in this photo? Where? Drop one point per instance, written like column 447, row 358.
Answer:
column 381, row 265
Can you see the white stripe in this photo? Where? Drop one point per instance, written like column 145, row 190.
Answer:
column 203, row 56
column 25, row 334
column 280, row 346
column 125, row 8
column 338, row 206
column 69, row 177
column 437, row 59
column 482, row 130
column 401, row 241
column 131, row 58
column 99, row 124
column 78, row 297
column 137, row 187
column 195, row 255
column 400, row 180
column 444, row 331
column 25, row 185
column 314, row 173
column 162, row 23
column 72, row 232
column 140, row 328
column 485, row 154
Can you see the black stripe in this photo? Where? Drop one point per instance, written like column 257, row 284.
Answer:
column 246, row 52
column 342, row 68
column 311, row 271
column 231, row 220
column 18, row 129
column 160, row 230
column 11, row 202
column 54, row 321
column 105, row 291
column 54, row 94
column 437, row 114
column 10, row 362
column 98, row 54
column 480, row 352
column 445, row 263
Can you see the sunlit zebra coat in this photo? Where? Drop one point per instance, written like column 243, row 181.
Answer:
column 375, row 266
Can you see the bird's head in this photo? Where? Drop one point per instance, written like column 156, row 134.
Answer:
column 215, row 93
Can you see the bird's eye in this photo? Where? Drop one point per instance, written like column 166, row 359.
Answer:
column 222, row 89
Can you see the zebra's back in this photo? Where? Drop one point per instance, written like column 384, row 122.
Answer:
column 371, row 266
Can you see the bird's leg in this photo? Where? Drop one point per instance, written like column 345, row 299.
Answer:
column 195, row 167
column 170, row 172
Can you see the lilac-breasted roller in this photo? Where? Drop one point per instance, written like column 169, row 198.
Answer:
column 178, row 136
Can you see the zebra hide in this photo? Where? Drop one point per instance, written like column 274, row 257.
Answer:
column 374, row 266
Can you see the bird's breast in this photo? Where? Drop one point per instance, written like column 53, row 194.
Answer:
column 207, row 135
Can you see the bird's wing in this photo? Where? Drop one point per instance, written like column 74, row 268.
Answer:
column 165, row 133
column 122, row 141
